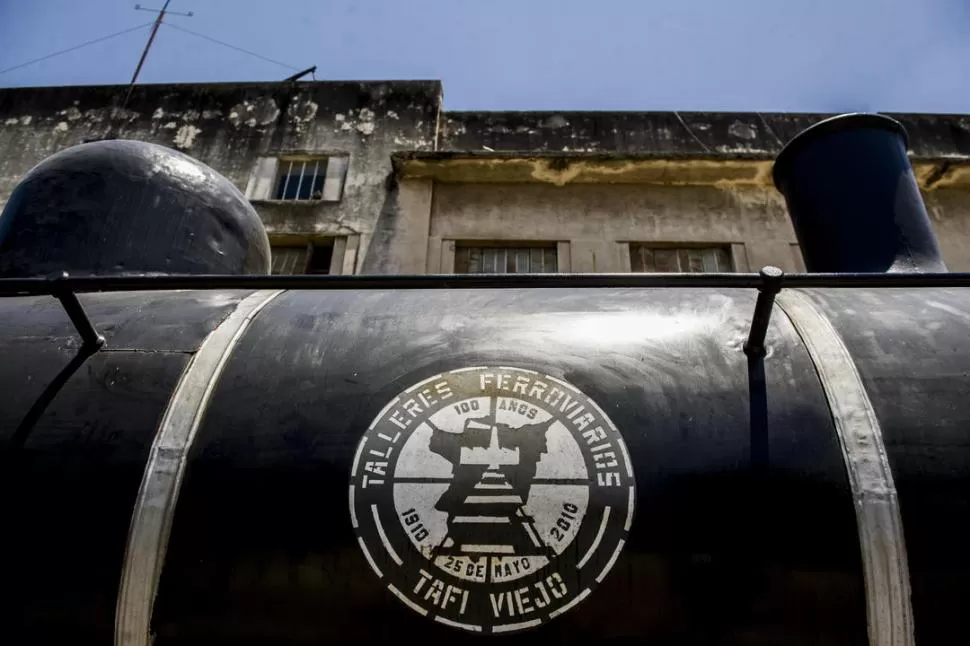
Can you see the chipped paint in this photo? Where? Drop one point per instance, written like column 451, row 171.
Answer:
column 265, row 119
column 412, row 144
column 365, row 124
column 96, row 115
column 261, row 112
column 371, row 122
column 734, row 149
column 455, row 127
column 186, row 135
column 121, row 114
column 71, row 113
column 301, row 111
column 555, row 121
column 742, row 130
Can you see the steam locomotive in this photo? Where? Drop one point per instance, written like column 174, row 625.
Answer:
column 195, row 452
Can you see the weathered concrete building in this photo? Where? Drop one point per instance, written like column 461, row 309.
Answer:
column 375, row 177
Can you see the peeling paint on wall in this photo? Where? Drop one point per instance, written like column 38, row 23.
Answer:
column 301, row 111
column 230, row 126
column 365, row 123
column 742, row 130
column 71, row 113
column 370, row 122
column 555, row 121
column 263, row 112
column 186, row 135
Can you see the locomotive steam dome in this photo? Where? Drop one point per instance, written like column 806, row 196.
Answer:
column 853, row 198
column 123, row 207
column 694, row 459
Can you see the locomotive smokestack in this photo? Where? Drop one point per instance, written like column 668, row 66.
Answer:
column 128, row 207
column 853, row 198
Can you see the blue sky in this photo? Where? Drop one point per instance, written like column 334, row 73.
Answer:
column 770, row 55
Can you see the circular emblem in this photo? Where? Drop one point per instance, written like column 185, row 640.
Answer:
column 491, row 499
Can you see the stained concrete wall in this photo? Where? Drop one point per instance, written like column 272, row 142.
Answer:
column 420, row 178
column 674, row 133
column 228, row 126
column 949, row 211
column 595, row 179
column 598, row 221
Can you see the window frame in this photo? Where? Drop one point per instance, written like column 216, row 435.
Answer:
column 270, row 170
column 285, row 177
column 441, row 251
column 456, row 247
column 736, row 253
column 342, row 255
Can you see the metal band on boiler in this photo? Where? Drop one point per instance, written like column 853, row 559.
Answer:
column 890, row 613
column 151, row 519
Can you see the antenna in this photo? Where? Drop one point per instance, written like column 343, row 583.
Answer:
column 141, row 61
column 299, row 75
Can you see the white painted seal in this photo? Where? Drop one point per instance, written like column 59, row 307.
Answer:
column 491, row 499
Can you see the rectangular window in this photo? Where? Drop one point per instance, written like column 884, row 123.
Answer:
column 310, row 258
column 302, row 178
column 506, row 260
column 660, row 259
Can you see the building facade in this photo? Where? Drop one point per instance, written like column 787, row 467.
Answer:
column 375, row 177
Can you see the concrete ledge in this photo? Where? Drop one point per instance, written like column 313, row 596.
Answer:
column 714, row 133
column 738, row 169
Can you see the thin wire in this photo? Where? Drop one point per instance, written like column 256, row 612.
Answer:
column 770, row 131
column 691, row 132
column 71, row 49
column 238, row 49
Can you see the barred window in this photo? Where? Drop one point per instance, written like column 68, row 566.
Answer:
column 298, row 178
column 506, row 260
column 656, row 259
column 310, row 258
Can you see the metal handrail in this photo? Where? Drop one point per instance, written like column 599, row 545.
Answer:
column 768, row 282
column 80, row 284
